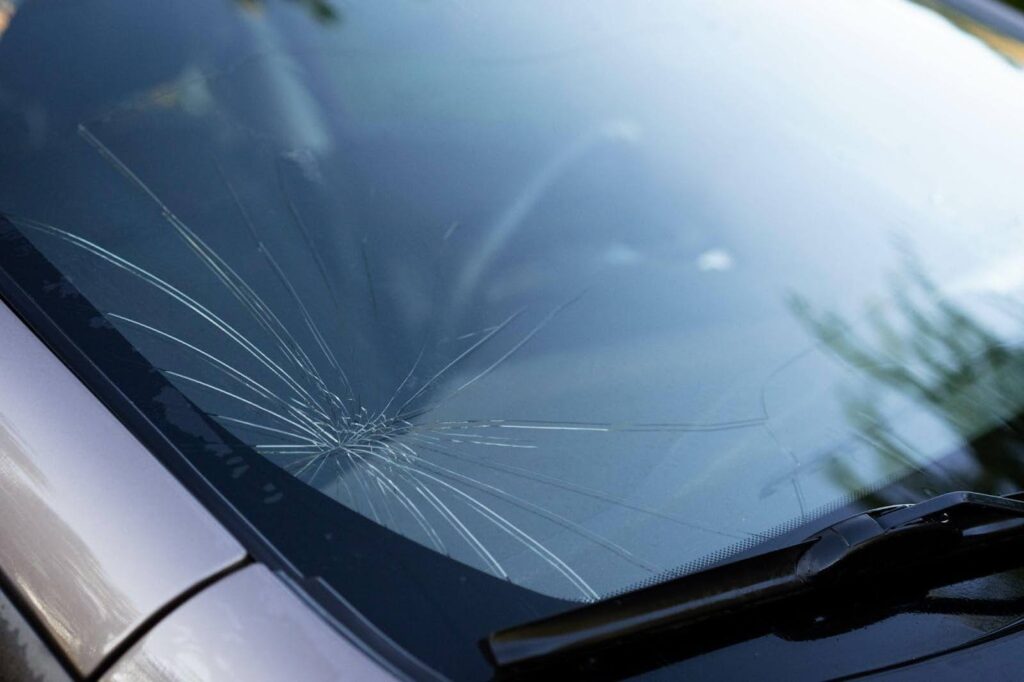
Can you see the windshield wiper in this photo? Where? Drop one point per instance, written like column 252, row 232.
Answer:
column 877, row 550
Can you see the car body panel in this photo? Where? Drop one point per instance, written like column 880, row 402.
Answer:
column 98, row 536
column 997, row 658
column 247, row 626
column 23, row 654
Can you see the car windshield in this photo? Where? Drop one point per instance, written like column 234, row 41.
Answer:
column 561, row 297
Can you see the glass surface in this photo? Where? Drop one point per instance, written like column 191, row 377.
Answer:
column 576, row 295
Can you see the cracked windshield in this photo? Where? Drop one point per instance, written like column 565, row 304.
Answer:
column 572, row 295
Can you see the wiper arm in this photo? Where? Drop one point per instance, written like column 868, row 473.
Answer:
column 885, row 544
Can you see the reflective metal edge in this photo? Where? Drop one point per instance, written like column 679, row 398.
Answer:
column 23, row 655
column 95, row 535
column 247, row 626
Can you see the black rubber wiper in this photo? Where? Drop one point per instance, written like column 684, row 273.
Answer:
column 877, row 549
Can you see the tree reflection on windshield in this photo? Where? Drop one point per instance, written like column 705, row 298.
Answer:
column 939, row 353
column 324, row 11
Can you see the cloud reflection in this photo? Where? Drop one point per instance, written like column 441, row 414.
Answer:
column 67, row 588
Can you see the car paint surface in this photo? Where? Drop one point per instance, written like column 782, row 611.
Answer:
column 23, row 655
column 248, row 626
column 96, row 536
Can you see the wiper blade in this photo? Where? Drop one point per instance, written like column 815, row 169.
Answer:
column 872, row 548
